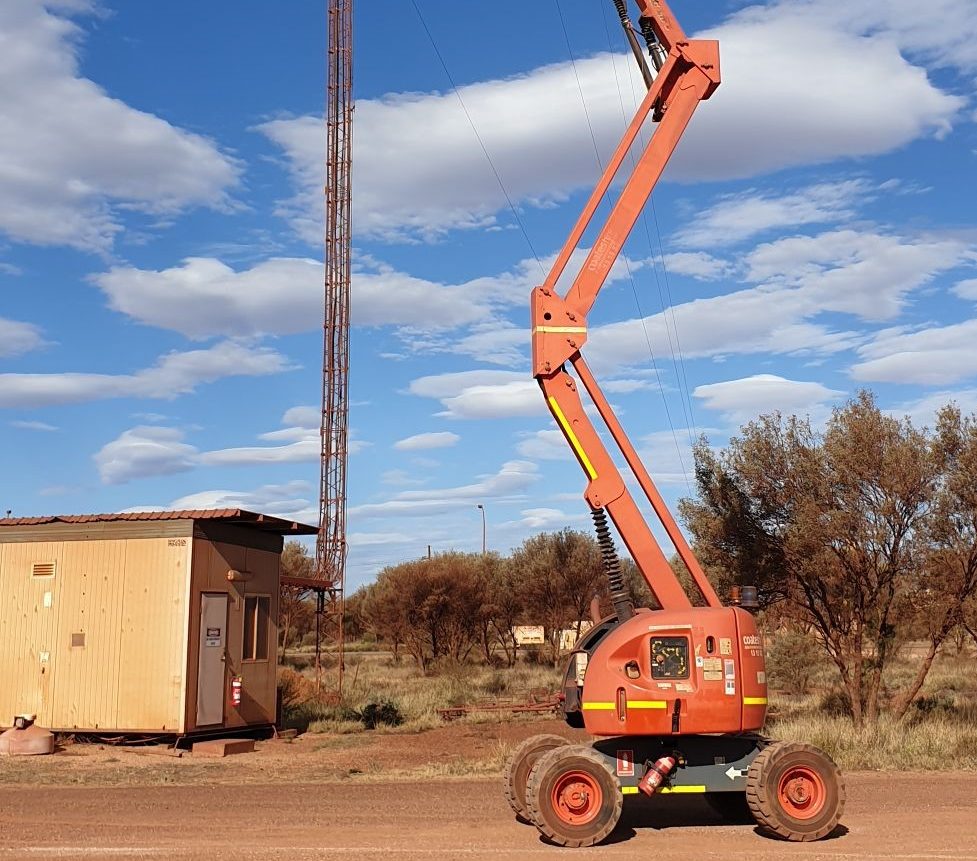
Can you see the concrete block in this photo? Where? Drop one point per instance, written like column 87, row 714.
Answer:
column 223, row 747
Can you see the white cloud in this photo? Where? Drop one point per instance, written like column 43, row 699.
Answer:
column 547, row 518
column 451, row 385
column 738, row 217
column 508, row 483
column 966, row 289
column 507, row 400
column 864, row 274
column 744, row 399
column 17, row 338
column 173, row 375
column 399, row 478
column 667, row 455
column 760, row 120
column 923, row 410
column 280, row 296
column 945, row 36
column 378, row 539
column 73, row 156
column 148, row 451
column 144, row 451
column 544, row 445
column 424, row 441
column 697, row 264
column 33, row 426
column 934, row 356
column 290, row 501
column 626, row 386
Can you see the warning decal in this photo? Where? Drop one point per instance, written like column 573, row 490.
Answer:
column 625, row 763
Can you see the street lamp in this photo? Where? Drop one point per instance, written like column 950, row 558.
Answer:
column 482, row 509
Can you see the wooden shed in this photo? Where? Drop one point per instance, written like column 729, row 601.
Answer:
column 148, row 622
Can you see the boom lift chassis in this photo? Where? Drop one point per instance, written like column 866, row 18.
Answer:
column 675, row 697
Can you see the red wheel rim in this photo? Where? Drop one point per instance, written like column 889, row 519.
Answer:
column 576, row 797
column 801, row 792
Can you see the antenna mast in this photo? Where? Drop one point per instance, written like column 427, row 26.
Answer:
column 331, row 543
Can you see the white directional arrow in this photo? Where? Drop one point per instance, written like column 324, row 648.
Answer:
column 733, row 773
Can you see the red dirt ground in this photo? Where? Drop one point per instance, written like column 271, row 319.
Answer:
column 314, row 800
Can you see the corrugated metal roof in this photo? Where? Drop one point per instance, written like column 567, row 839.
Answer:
column 228, row 515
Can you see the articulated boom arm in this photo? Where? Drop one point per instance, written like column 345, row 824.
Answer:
column 688, row 74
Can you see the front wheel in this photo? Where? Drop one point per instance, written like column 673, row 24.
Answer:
column 574, row 798
column 795, row 791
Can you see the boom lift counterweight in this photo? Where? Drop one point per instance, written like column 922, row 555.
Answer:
column 675, row 696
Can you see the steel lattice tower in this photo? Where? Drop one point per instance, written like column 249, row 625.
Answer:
column 331, row 542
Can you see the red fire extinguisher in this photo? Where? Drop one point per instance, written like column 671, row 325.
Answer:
column 655, row 774
column 236, row 691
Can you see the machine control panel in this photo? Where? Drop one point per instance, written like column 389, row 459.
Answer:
column 669, row 657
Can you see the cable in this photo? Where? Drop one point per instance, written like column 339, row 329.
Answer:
column 478, row 137
column 583, row 100
column 634, row 290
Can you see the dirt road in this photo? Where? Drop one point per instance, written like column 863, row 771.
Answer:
column 891, row 817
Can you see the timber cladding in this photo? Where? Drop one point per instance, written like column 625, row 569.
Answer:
column 150, row 626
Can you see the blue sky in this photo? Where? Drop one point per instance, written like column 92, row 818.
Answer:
column 160, row 219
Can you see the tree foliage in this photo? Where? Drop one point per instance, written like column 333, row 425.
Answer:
column 864, row 530
column 296, row 612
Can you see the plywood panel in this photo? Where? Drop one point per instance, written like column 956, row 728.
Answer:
column 151, row 667
column 28, row 623
column 86, row 686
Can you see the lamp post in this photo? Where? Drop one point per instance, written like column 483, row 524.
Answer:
column 482, row 509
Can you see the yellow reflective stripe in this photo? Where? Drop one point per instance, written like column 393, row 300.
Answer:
column 570, row 435
column 647, row 704
column 603, row 707
column 678, row 790
column 561, row 329
column 754, row 701
column 629, row 790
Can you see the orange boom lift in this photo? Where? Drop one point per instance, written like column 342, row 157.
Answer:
column 675, row 696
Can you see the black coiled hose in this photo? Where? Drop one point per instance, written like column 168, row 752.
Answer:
column 620, row 599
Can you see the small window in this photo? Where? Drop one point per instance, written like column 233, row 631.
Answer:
column 256, row 610
column 42, row 569
column 669, row 658
column 78, row 640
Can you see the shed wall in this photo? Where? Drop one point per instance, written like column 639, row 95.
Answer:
column 123, row 603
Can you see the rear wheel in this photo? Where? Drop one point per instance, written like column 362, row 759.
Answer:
column 520, row 764
column 574, row 797
column 795, row 791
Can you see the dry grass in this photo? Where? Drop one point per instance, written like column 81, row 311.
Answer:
column 931, row 744
column 416, row 696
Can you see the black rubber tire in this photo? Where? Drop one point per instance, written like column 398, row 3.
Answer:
column 520, row 764
column 763, row 791
column 548, row 769
column 730, row 806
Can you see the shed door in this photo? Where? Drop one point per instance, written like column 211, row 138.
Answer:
column 210, row 672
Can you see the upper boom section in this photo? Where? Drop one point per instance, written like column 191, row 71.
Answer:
column 667, row 29
column 688, row 73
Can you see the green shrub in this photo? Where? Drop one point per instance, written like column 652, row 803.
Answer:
column 793, row 659
column 383, row 713
column 836, row 703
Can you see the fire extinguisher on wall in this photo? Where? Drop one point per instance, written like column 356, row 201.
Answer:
column 236, row 691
